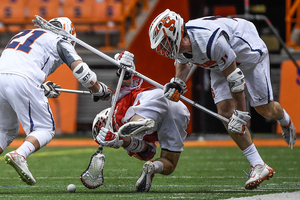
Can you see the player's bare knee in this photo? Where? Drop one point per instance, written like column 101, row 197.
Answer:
column 168, row 170
column 225, row 110
column 266, row 111
column 225, row 113
column 42, row 136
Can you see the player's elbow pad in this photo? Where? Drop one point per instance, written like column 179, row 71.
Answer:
column 85, row 75
column 236, row 81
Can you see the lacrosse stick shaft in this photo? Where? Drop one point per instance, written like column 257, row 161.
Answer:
column 114, row 100
column 113, row 104
column 99, row 53
column 73, row 91
column 44, row 24
column 106, row 57
column 193, row 103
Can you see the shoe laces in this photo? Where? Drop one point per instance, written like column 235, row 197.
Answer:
column 22, row 159
column 249, row 174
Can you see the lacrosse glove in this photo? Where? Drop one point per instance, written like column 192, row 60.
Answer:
column 104, row 93
column 238, row 121
column 174, row 89
column 50, row 89
column 125, row 58
column 109, row 139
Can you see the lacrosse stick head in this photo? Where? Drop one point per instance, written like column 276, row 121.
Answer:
column 65, row 24
column 44, row 24
column 92, row 177
column 100, row 121
column 166, row 32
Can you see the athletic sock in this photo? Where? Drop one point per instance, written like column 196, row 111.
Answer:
column 285, row 121
column 253, row 156
column 26, row 149
column 158, row 166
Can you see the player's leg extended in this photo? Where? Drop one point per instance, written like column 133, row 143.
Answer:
column 274, row 111
column 165, row 165
column 259, row 171
column 35, row 115
column 225, row 108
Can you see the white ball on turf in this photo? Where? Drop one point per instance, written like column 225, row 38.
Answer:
column 71, row 188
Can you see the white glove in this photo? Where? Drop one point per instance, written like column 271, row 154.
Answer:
column 174, row 89
column 109, row 139
column 50, row 89
column 238, row 121
column 125, row 58
column 104, row 93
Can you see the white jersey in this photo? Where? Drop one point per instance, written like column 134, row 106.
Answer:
column 25, row 63
column 171, row 118
column 218, row 41
column 33, row 54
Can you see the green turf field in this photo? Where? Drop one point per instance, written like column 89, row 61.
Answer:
column 202, row 173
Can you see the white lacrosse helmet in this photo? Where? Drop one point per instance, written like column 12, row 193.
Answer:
column 66, row 24
column 166, row 32
column 100, row 121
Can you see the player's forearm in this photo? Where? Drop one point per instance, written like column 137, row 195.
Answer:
column 182, row 71
column 240, row 102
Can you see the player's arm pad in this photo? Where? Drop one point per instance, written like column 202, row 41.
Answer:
column 85, row 75
column 236, row 81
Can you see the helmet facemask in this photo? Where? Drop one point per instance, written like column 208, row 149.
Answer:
column 167, row 48
column 166, row 32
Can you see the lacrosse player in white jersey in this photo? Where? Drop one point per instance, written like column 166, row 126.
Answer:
column 239, row 64
column 27, row 60
column 141, row 117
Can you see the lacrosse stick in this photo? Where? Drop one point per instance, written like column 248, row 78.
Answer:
column 42, row 23
column 92, row 177
column 73, row 91
column 193, row 103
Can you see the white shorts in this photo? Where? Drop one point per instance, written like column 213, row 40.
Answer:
column 258, row 89
column 171, row 118
column 23, row 100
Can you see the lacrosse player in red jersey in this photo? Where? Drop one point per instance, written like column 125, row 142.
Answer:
column 238, row 61
column 27, row 60
column 141, row 117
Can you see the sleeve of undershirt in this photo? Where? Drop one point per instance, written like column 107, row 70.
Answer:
column 67, row 52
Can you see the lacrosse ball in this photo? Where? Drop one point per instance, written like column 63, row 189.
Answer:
column 71, row 188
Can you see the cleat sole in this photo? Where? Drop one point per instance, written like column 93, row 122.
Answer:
column 22, row 174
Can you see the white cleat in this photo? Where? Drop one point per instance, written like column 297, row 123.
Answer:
column 257, row 175
column 143, row 184
column 135, row 127
column 288, row 134
column 19, row 163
